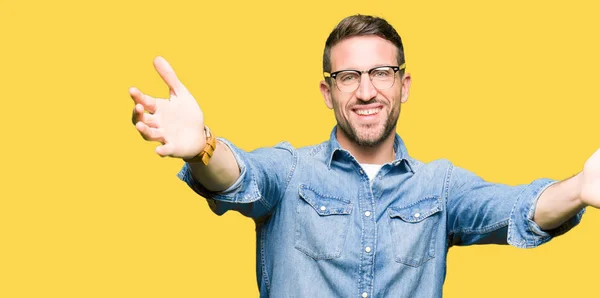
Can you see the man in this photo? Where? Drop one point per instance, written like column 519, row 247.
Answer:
column 356, row 216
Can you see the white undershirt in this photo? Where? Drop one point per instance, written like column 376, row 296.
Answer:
column 371, row 170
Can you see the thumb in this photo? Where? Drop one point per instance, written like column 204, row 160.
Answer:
column 168, row 75
column 165, row 150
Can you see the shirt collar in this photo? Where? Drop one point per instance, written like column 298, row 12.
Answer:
column 399, row 147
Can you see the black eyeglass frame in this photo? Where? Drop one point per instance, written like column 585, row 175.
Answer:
column 334, row 74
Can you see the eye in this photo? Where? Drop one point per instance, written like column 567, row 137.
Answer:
column 347, row 77
column 382, row 72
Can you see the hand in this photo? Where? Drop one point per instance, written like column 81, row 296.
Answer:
column 177, row 123
column 590, row 181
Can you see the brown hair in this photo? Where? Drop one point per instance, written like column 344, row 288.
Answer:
column 360, row 25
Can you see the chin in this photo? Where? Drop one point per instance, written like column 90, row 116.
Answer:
column 373, row 135
column 370, row 139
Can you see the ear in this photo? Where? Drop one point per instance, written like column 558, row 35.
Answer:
column 326, row 91
column 405, row 88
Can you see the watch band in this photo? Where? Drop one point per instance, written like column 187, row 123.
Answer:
column 208, row 150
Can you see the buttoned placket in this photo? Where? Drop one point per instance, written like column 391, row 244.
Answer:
column 368, row 236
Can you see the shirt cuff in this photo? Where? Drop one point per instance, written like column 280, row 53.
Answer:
column 243, row 190
column 523, row 232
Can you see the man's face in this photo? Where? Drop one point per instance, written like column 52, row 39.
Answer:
column 366, row 116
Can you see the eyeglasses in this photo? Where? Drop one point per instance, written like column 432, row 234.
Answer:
column 382, row 77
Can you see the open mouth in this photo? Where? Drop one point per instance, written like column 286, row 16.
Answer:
column 367, row 112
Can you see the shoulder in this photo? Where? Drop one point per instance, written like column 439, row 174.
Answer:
column 433, row 166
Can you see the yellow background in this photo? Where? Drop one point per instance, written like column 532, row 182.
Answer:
column 507, row 89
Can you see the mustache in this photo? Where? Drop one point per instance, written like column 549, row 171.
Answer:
column 364, row 103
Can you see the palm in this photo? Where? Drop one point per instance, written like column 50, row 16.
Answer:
column 177, row 123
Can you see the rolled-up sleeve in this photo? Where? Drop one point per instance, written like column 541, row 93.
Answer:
column 264, row 176
column 523, row 232
column 482, row 212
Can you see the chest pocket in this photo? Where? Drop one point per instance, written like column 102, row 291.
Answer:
column 413, row 230
column 322, row 222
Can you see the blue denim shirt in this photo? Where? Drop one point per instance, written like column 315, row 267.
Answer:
column 323, row 230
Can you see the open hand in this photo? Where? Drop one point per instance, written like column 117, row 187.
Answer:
column 177, row 123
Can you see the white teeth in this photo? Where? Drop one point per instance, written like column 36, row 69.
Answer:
column 367, row 112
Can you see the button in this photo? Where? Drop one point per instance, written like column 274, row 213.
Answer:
column 365, row 295
column 367, row 249
column 323, row 208
column 361, row 172
column 367, row 213
column 417, row 215
column 380, row 177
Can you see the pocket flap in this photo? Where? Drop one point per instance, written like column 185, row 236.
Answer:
column 418, row 211
column 323, row 204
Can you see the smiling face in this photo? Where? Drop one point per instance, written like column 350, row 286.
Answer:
column 366, row 116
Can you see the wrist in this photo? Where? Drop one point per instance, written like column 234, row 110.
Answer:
column 579, row 185
column 207, row 151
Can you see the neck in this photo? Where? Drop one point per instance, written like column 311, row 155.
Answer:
column 380, row 154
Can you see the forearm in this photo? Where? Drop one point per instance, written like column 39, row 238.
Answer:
column 558, row 203
column 220, row 173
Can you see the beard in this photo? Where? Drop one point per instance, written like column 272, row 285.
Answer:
column 370, row 135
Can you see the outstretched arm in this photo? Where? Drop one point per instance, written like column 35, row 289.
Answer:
column 562, row 200
column 178, row 124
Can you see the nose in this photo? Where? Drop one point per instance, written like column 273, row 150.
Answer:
column 366, row 91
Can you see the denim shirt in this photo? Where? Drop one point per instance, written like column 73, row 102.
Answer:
column 324, row 230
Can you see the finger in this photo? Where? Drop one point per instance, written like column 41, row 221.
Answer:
column 165, row 150
column 150, row 134
column 146, row 118
column 168, row 75
column 139, row 115
column 138, row 110
column 148, row 102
